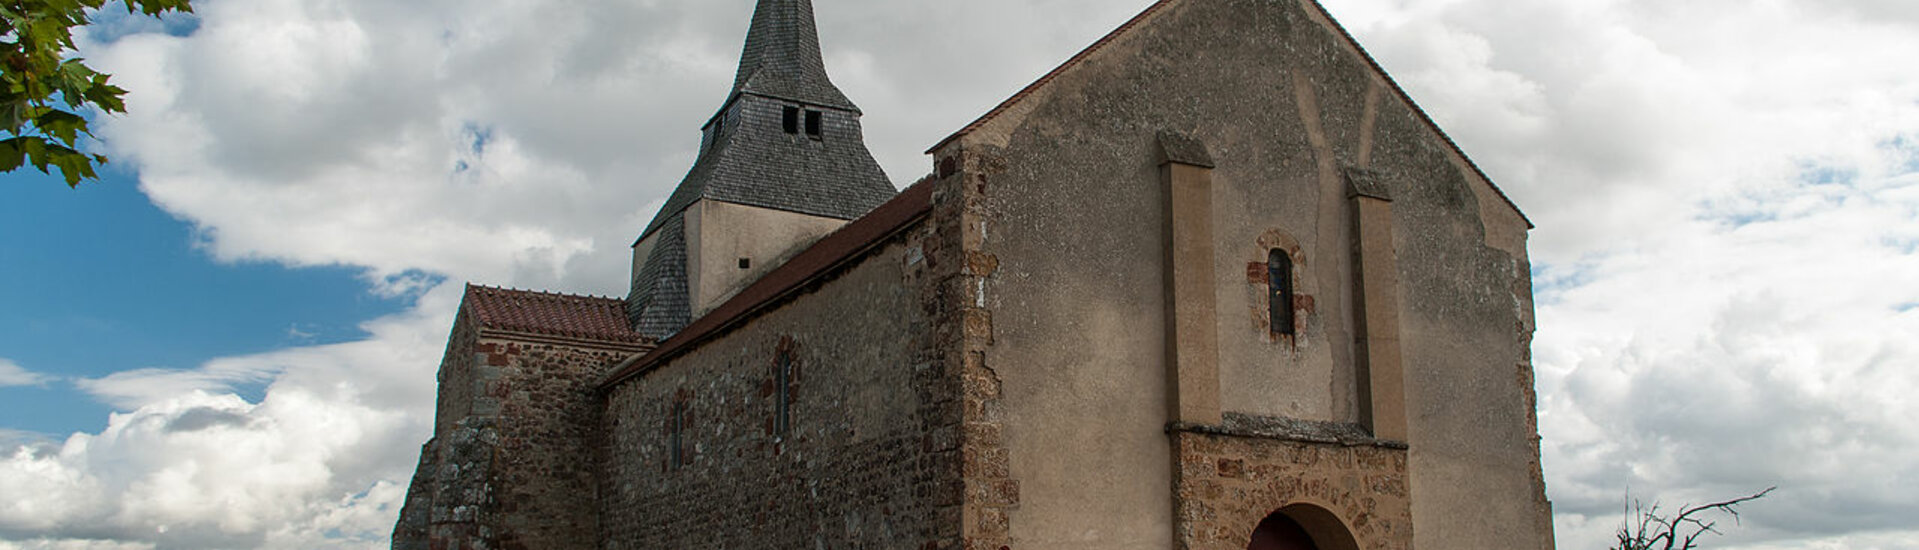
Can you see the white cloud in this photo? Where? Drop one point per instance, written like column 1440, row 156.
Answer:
column 508, row 141
column 12, row 374
column 1724, row 359
column 1643, row 108
column 1728, row 223
column 321, row 461
column 73, row 544
column 1727, row 196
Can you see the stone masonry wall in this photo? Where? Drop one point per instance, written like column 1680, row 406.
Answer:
column 992, row 492
column 544, row 477
column 456, row 386
column 1227, row 483
column 870, row 458
column 511, row 462
column 1073, row 214
column 437, row 488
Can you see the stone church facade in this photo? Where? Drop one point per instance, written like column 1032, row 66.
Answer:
column 1216, row 282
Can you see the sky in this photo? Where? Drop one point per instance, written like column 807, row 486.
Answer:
column 230, row 341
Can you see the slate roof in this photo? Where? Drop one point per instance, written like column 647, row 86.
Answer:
column 552, row 314
column 660, row 303
column 756, row 163
column 749, row 157
column 782, row 57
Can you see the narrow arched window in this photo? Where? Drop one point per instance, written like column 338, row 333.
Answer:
column 1279, row 291
column 783, row 387
column 676, row 430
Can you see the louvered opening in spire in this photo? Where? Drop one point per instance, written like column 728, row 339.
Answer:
column 782, row 57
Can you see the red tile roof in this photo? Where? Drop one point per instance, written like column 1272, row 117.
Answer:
column 552, row 314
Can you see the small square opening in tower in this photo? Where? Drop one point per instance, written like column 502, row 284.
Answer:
column 746, row 263
column 791, row 120
column 813, row 119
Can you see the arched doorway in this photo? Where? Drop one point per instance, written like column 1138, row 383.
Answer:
column 1302, row 527
column 1279, row 532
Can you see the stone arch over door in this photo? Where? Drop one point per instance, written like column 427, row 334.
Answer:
column 1302, row 527
column 1347, row 496
column 1279, row 532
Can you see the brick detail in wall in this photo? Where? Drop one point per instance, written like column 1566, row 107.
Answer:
column 1226, row 484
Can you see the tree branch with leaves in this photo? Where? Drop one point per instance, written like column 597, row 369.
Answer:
column 1648, row 529
column 45, row 89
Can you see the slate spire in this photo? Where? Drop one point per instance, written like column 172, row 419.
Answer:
column 786, row 139
column 782, row 56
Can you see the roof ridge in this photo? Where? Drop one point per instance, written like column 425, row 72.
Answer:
column 1391, row 83
column 549, row 313
column 1070, row 62
column 1421, row 111
column 546, row 293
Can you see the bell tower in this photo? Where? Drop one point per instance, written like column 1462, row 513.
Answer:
column 781, row 164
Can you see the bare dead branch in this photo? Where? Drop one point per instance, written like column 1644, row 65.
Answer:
column 1647, row 529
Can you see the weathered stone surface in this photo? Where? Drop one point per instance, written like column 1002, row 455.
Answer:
column 871, row 454
column 1067, row 179
column 1226, row 484
column 510, row 464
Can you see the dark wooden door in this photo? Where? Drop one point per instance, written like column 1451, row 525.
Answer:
column 1279, row 532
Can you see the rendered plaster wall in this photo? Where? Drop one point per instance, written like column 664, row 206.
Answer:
column 719, row 234
column 1074, row 213
column 871, row 456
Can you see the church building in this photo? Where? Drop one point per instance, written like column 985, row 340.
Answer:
column 1214, row 283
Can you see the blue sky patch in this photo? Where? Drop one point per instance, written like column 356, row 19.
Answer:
column 477, row 138
column 97, row 280
column 1908, row 152
column 1748, row 208
column 1819, row 174
column 112, row 23
column 1907, row 246
column 1551, row 281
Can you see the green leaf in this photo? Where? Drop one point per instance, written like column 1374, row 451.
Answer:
column 76, row 166
column 61, row 125
column 38, row 68
column 12, row 155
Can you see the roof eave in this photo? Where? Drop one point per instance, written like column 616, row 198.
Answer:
column 825, row 255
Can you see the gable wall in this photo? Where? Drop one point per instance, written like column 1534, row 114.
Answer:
column 505, row 467
column 456, row 375
column 1076, row 217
